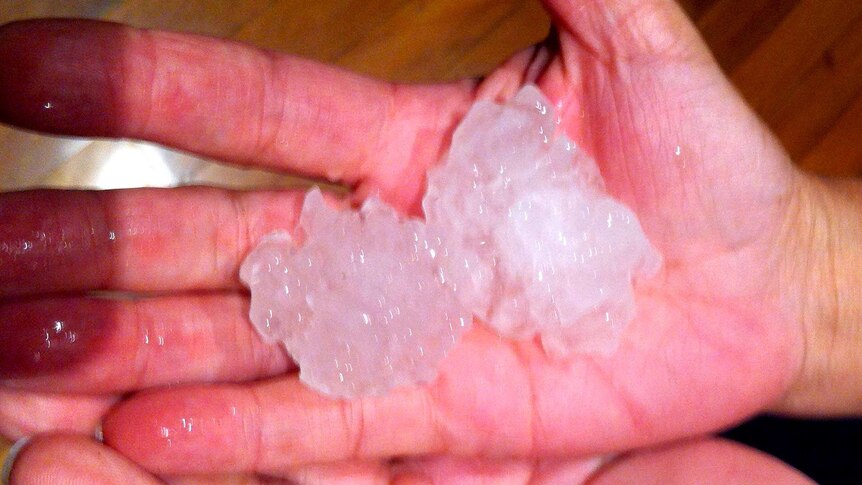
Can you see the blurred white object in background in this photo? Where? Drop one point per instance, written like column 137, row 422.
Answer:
column 30, row 160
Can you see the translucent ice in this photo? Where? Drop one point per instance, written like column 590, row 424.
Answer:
column 518, row 231
column 548, row 251
column 360, row 304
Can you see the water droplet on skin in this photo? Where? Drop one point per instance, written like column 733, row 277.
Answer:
column 187, row 424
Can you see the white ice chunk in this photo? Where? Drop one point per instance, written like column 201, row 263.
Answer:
column 359, row 305
column 518, row 231
column 554, row 254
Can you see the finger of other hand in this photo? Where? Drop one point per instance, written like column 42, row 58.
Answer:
column 703, row 461
column 25, row 413
column 66, row 459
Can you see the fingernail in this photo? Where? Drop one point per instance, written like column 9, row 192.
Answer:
column 14, row 451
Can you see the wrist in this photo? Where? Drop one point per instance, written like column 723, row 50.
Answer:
column 822, row 280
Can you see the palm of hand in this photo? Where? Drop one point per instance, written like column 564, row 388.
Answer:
column 710, row 344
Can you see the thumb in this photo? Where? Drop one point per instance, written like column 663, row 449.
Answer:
column 627, row 29
column 642, row 93
column 67, row 459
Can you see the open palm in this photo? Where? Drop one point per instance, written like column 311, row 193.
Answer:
column 715, row 338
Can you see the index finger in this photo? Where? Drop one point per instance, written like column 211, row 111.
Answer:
column 219, row 99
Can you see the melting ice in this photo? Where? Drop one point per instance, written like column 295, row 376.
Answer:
column 518, row 232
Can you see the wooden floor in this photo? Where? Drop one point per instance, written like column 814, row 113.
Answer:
column 798, row 62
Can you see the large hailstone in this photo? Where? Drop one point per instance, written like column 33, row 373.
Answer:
column 518, row 231
column 360, row 304
column 547, row 251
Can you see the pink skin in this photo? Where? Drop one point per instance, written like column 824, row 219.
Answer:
column 74, row 459
column 718, row 336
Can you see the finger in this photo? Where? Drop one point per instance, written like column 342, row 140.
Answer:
column 274, row 426
column 451, row 470
column 24, row 413
column 218, row 99
column 229, row 479
column 271, row 428
column 622, row 30
column 135, row 240
column 709, row 461
column 63, row 459
column 349, row 473
column 444, row 470
column 492, row 397
column 643, row 52
column 100, row 345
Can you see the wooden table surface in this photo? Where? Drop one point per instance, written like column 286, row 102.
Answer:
column 798, row 62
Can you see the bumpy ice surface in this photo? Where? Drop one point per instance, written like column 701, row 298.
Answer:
column 518, row 231
column 360, row 304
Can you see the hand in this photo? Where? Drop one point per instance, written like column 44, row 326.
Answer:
column 58, row 458
column 719, row 334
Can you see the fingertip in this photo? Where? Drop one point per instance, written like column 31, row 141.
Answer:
column 70, row 459
column 185, row 430
column 25, row 413
column 57, row 74
column 132, row 427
